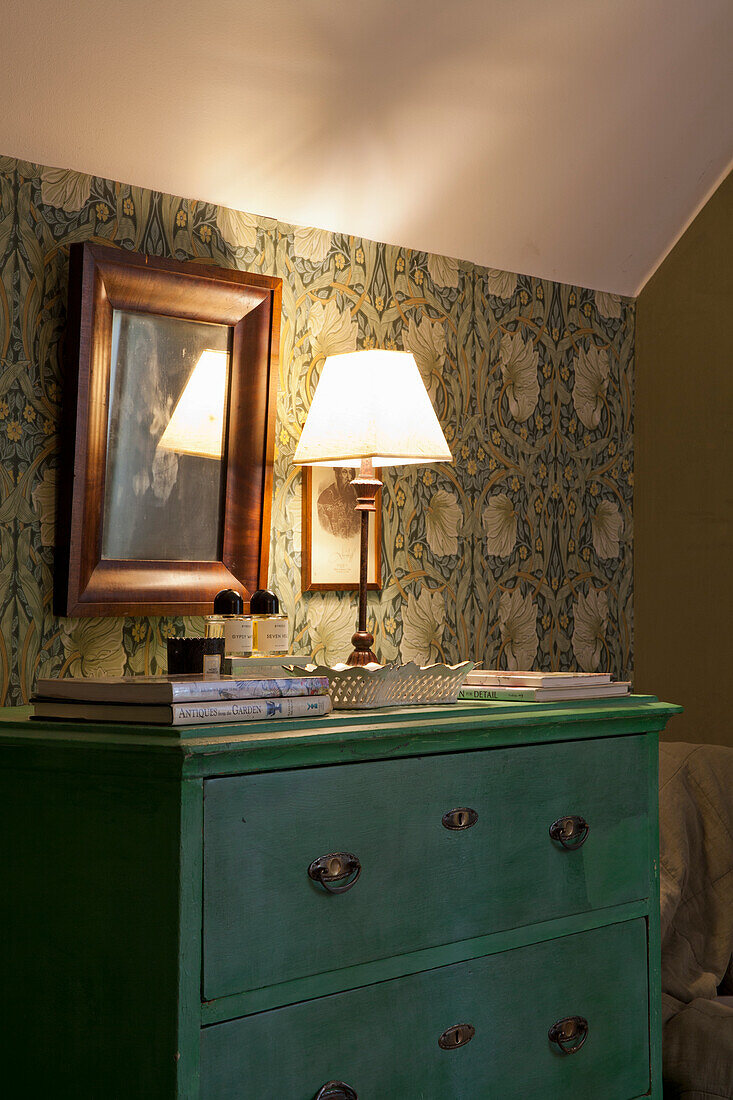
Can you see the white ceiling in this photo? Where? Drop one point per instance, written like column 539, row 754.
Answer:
column 571, row 139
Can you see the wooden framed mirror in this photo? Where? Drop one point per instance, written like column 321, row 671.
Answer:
column 165, row 482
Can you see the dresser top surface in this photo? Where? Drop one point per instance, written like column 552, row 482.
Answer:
column 341, row 736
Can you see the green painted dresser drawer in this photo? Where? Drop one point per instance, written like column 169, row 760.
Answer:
column 421, row 884
column 382, row 1040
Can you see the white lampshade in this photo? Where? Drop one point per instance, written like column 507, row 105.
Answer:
column 374, row 405
column 197, row 424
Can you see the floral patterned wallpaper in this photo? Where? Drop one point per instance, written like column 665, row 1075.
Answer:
column 519, row 554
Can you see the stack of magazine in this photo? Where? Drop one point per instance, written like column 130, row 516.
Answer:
column 540, row 687
column 181, row 700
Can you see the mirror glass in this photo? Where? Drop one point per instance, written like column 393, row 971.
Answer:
column 169, row 380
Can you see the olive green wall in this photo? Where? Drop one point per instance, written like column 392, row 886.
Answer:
column 683, row 507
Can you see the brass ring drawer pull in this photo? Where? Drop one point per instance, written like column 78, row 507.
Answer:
column 462, row 818
column 456, row 1036
column 569, row 1034
column 336, row 1090
column 571, row 832
column 335, row 868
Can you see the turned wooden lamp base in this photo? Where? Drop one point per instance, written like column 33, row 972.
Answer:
column 362, row 654
column 367, row 486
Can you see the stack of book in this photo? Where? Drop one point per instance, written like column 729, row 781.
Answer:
column 181, row 700
column 540, row 687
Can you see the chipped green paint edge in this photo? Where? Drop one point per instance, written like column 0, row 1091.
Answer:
column 343, row 737
column 354, row 977
column 654, row 928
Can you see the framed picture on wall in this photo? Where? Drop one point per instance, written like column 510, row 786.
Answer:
column 167, row 435
column 331, row 532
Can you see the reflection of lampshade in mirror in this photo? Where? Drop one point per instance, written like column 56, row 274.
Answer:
column 197, row 424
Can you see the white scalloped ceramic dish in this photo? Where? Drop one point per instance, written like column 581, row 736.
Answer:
column 360, row 688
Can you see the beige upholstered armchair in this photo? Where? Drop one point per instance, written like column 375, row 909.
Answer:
column 696, row 865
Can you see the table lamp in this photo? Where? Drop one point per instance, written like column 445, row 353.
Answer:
column 370, row 409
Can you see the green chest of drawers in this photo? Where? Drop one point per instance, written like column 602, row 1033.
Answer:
column 368, row 905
